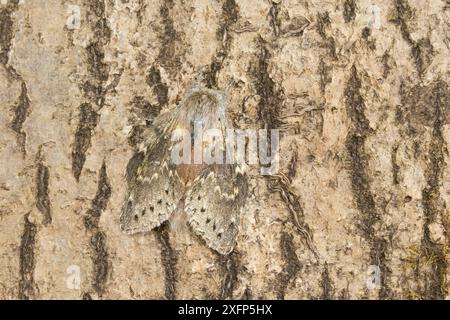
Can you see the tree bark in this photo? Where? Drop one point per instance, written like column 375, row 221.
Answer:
column 360, row 93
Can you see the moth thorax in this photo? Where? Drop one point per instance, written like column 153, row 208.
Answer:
column 202, row 103
column 201, row 108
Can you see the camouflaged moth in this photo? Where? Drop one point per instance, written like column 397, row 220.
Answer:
column 212, row 195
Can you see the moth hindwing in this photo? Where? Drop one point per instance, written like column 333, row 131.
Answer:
column 213, row 193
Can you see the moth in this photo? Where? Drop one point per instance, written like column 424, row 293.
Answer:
column 211, row 195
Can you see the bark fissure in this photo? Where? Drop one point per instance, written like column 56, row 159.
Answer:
column 230, row 15
column 87, row 122
column 160, row 89
column 275, row 22
column 431, row 199
column 229, row 265
column 271, row 98
column 291, row 265
column 42, row 197
column 7, row 35
column 140, row 11
column 421, row 50
column 93, row 87
column 21, row 113
column 169, row 56
column 27, row 260
column 395, row 166
column 100, row 256
column 360, row 178
column 169, row 261
column 326, row 285
column 100, row 200
column 325, row 76
column 349, row 10
column 100, row 262
column 143, row 113
column 324, row 22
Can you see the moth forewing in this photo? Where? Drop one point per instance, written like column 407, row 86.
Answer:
column 155, row 189
column 213, row 207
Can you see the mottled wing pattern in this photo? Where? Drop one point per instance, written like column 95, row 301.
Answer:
column 154, row 188
column 213, row 206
